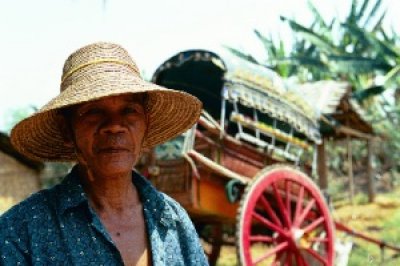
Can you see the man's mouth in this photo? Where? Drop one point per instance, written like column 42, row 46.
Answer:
column 113, row 150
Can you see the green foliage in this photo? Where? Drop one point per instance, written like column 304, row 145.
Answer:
column 355, row 50
column 13, row 116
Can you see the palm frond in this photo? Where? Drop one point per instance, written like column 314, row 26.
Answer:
column 318, row 19
column 361, row 12
column 356, row 64
column 311, row 36
column 379, row 22
column 242, row 55
column 382, row 48
column 267, row 43
column 305, row 61
column 351, row 18
column 373, row 12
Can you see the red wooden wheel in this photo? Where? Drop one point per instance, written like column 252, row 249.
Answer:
column 284, row 220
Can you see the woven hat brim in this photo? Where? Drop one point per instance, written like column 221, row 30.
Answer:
column 170, row 113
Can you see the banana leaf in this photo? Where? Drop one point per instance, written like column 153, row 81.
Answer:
column 373, row 12
column 356, row 64
column 242, row 55
column 379, row 22
column 382, row 47
column 302, row 61
column 311, row 36
column 268, row 44
column 317, row 16
column 361, row 12
column 351, row 18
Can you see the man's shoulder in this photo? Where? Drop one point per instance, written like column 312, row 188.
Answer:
column 178, row 212
column 175, row 205
column 31, row 208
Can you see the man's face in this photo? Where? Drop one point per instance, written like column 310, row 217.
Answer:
column 109, row 132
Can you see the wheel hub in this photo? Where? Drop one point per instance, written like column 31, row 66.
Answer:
column 296, row 237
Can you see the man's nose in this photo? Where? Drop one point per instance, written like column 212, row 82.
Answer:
column 113, row 123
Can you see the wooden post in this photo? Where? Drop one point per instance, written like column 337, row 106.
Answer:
column 370, row 173
column 216, row 235
column 322, row 167
column 350, row 173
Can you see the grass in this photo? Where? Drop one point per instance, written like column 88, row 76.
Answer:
column 380, row 220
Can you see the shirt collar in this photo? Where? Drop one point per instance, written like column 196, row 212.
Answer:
column 71, row 193
column 154, row 202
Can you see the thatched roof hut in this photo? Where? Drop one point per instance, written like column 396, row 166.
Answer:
column 19, row 176
column 341, row 117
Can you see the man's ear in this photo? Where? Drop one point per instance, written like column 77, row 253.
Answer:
column 66, row 131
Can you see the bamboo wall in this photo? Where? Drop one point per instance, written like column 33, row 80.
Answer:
column 17, row 181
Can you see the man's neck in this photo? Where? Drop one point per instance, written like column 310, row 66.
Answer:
column 110, row 194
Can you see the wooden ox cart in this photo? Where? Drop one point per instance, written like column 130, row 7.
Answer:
column 243, row 161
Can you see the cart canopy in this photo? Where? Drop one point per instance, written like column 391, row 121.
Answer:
column 214, row 79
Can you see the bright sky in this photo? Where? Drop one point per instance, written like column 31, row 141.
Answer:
column 37, row 36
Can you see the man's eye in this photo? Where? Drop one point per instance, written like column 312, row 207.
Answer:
column 131, row 110
column 91, row 112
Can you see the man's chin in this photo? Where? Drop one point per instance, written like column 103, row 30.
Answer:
column 114, row 167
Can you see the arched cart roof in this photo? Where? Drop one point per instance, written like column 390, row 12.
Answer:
column 205, row 74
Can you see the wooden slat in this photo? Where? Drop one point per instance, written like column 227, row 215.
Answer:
column 216, row 167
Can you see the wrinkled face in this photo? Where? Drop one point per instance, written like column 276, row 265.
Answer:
column 108, row 133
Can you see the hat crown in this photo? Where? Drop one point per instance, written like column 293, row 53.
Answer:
column 93, row 56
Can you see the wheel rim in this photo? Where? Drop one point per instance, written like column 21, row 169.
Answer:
column 284, row 220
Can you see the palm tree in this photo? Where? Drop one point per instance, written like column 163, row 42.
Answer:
column 356, row 50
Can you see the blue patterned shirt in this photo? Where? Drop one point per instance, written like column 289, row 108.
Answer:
column 58, row 227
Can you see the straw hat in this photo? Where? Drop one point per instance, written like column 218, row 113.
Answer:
column 92, row 72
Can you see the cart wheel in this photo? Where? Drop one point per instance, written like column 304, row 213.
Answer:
column 283, row 220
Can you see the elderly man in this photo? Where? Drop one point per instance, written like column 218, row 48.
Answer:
column 103, row 213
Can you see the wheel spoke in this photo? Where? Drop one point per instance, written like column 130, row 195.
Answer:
column 300, row 219
column 282, row 246
column 316, row 256
column 288, row 261
column 270, row 211
column 288, row 203
column 313, row 225
column 281, row 205
column 319, row 240
column 269, row 224
column 299, row 259
column 261, row 238
column 299, row 203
